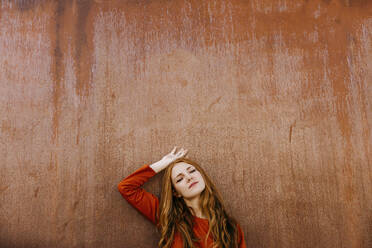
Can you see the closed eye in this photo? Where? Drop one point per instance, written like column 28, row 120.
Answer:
column 179, row 180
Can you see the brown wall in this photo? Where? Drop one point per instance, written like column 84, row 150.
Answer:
column 272, row 98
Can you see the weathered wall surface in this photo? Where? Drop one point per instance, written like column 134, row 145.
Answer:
column 273, row 98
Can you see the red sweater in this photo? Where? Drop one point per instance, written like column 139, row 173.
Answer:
column 148, row 204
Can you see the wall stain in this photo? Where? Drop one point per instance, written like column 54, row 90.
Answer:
column 3, row 189
column 34, row 175
column 58, row 67
column 65, row 14
column 78, row 128
column 36, row 192
column 25, row 5
column 8, row 129
column 76, row 203
column 213, row 103
column 82, row 48
column 356, row 3
column 290, row 131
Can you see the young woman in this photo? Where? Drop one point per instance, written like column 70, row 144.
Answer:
column 190, row 212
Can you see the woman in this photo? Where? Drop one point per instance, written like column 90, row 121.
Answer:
column 191, row 212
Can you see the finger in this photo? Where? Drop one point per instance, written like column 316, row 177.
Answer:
column 183, row 151
column 174, row 149
column 180, row 152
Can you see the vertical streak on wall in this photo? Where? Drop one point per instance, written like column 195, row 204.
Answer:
column 58, row 67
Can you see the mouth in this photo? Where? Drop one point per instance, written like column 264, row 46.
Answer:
column 193, row 184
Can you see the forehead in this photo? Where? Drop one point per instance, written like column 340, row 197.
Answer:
column 179, row 168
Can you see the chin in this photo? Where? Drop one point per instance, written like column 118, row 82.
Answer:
column 197, row 191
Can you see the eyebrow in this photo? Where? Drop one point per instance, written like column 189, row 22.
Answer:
column 182, row 173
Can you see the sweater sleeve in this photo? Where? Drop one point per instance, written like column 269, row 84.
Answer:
column 130, row 188
column 241, row 243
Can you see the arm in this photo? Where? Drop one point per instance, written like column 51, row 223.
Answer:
column 160, row 165
column 143, row 201
column 130, row 188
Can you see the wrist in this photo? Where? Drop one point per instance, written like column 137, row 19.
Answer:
column 159, row 165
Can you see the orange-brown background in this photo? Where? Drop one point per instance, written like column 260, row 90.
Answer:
column 272, row 98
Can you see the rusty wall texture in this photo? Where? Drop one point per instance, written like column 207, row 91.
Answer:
column 272, row 98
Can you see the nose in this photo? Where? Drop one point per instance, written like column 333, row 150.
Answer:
column 188, row 177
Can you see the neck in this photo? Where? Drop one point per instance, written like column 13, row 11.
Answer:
column 193, row 203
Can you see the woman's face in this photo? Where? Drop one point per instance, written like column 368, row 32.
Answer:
column 184, row 176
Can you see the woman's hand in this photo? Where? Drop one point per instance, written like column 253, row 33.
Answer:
column 168, row 159
column 173, row 155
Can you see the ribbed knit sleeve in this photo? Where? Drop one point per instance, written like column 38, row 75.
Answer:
column 130, row 188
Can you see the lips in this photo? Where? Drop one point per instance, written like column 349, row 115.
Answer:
column 193, row 184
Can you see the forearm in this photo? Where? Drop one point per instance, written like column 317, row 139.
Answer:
column 143, row 201
column 159, row 165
